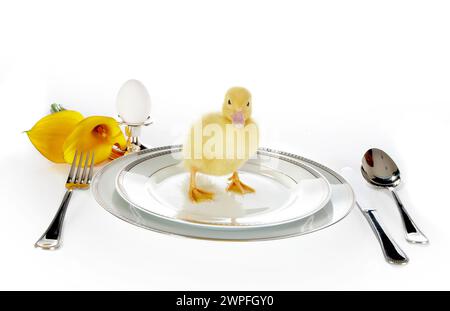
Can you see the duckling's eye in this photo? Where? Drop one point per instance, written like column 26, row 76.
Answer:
column 229, row 102
column 248, row 104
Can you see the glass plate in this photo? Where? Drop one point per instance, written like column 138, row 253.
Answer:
column 286, row 191
column 104, row 192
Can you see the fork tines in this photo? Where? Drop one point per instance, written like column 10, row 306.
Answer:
column 82, row 175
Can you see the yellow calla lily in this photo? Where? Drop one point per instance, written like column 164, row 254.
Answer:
column 96, row 134
column 49, row 133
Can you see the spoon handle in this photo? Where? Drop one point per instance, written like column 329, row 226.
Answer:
column 413, row 234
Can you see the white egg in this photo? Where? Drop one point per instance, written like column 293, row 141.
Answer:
column 133, row 102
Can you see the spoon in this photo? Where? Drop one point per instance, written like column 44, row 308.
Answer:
column 380, row 170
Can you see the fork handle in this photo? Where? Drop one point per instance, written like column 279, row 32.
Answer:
column 51, row 239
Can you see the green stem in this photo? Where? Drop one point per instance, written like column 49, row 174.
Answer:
column 56, row 108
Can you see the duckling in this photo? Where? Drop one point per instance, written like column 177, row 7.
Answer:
column 220, row 143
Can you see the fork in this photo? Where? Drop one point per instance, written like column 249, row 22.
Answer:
column 77, row 180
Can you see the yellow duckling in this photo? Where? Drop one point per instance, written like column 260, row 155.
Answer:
column 220, row 143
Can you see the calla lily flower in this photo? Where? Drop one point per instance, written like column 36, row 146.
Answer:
column 49, row 134
column 58, row 135
column 98, row 134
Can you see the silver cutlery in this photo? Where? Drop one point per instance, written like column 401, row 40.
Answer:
column 380, row 170
column 77, row 180
column 391, row 251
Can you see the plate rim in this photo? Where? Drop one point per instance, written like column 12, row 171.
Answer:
column 178, row 148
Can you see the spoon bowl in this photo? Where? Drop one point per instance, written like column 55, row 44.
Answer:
column 379, row 169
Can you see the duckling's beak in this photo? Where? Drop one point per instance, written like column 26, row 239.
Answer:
column 238, row 119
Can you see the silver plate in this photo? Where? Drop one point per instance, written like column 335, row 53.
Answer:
column 340, row 204
column 286, row 191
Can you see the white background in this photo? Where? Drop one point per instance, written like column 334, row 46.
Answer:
column 329, row 80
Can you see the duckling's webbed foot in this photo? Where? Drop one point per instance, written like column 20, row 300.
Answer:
column 238, row 186
column 197, row 195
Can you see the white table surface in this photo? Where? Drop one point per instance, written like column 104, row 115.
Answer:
column 329, row 80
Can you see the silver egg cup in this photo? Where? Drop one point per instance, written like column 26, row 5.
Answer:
column 132, row 132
